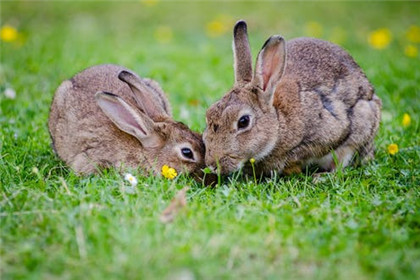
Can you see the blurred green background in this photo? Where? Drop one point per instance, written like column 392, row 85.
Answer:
column 186, row 46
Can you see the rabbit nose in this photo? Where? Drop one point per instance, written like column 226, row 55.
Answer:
column 211, row 164
column 212, row 169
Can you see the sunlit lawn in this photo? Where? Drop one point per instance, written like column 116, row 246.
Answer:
column 358, row 223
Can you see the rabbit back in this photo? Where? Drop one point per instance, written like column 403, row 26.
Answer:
column 335, row 104
column 327, row 69
column 82, row 135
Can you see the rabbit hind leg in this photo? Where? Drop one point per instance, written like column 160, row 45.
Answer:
column 82, row 165
column 359, row 146
column 341, row 157
column 365, row 117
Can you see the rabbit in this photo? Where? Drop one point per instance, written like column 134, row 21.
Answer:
column 307, row 102
column 107, row 116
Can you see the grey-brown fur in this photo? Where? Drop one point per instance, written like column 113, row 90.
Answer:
column 307, row 98
column 243, row 59
column 87, row 139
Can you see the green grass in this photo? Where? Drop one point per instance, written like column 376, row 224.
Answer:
column 358, row 223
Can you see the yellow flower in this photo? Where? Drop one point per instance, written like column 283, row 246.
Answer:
column 149, row 3
column 380, row 38
column 8, row 33
column 215, row 28
column 413, row 34
column 219, row 26
column 252, row 160
column 406, row 121
column 168, row 172
column 313, row 29
column 411, row 51
column 393, row 149
column 163, row 34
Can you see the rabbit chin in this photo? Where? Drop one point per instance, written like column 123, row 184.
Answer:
column 266, row 149
column 229, row 165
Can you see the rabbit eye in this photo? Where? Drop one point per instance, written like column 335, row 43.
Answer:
column 243, row 122
column 186, row 152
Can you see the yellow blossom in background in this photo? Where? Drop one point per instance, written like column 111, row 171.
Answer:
column 380, row 38
column 194, row 102
column 219, row 26
column 215, row 28
column 413, row 34
column 313, row 29
column 8, row 33
column 168, row 172
column 163, row 34
column 411, row 51
column 149, row 3
column 406, row 121
column 393, row 149
column 252, row 160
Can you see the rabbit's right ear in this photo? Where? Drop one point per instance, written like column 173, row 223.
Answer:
column 241, row 53
column 127, row 119
column 145, row 99
column 270, row 66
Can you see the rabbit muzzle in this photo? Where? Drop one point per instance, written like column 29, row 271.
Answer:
column 224, row 164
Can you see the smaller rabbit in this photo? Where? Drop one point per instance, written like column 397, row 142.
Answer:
column 308, row 102
column 107, row 116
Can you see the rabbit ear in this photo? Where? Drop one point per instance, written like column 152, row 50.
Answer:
column 241, row 53
column 127, row 118
column 145, row 98
column 270, row 65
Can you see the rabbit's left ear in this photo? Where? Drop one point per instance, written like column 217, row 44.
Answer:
column 128, row 119
column 146, row 99
column 270, row 65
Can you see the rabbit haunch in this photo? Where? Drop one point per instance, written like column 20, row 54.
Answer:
column 306, row 101
column 107, row 116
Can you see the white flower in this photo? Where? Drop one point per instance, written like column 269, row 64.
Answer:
column 10, row 93
column 130, row 178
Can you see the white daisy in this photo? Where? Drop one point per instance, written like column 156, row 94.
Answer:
column 130, row 178
column 10, row 93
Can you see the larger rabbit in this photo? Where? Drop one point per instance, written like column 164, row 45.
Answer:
column 306, row 102
column 106, row 116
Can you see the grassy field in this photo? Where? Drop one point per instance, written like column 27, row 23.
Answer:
column 358, row 223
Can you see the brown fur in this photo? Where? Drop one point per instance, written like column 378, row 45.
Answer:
column 307, row 101
column 87, row 139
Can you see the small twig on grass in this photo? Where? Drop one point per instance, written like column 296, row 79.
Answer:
column 296, row 200
column 234, row 252
column 81, row 243
column 64, row 184
column 178, row 202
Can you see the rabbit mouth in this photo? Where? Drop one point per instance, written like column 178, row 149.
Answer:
column 227, row 165
column 207, row 179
